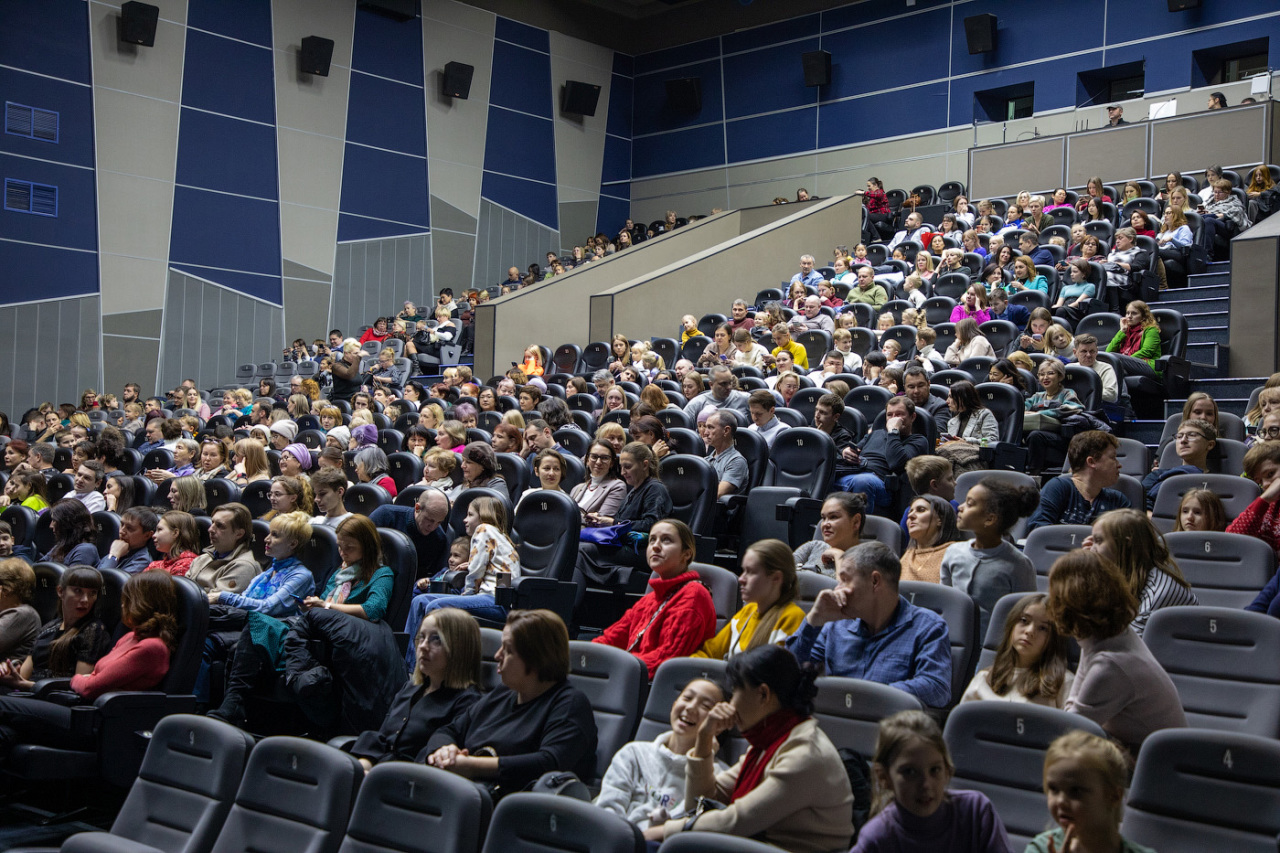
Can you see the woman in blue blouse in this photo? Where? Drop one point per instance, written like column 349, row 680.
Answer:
column 1077, row 294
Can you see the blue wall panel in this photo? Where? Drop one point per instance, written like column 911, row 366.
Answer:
column 534, row 38
column 386, row 114
column 650, row 112
column 771, row 34
column 75, row 226
column 228, row 232
column 860, row 14
column 228, row 77
column 685, row 54
column 768, row 79
column 617, row 160
column 520, row 145
column 75, row 124
column 611, row 215
column 47, row 36
column 528, row 198
column 226, row 154
column 875, row 116
column 620, row 103
column 246, row 20
column 387, row 47
column 383, row 185
column 856, row 70
column 695, row 148
column 772, row 135
column 33, row 273
column 1139, row 19
column 521, row 80
column 1030, row 31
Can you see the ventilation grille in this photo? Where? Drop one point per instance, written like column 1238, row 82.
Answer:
column 21, row 120
column 26, row 197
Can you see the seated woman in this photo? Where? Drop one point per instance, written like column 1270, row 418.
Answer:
column 1031, row 662
column 1076, row 296
column 1201, row 510
column 1006, row 372
column 445, row 683
column 648, row 430
column 768, row 587
column 186, row 494
column 371, row 467
column 646, row 502
column 931, row 528
column 1138, row 341
column 492, row 554
column 603, row 491
column 290, row 494
column 138, row 661
column 479, row 469
column 451, row 435
column 790, row 789
column 69, row 644
column 274, row 592
column 295, row 460
column 360, row 589
column 645, row 782
column 676, row 616
column 1194, row 443
column 26, row 487
column 534, row 723
column 1173, row 242
column 184, row 456
column 1026, row 277
column 840, row 528
column 969, row 343
column 1053, row 400
column 212, row 460
column 250, row 462
column 19, row 621
column 178, row 540
column 1129, row 541
column 970, row 421
column 1119, row 684
column 973, row 304
column 73, row 535
column 551, row 469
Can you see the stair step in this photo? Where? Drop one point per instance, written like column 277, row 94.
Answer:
column 1206, row 319
column 1209, row 334
column 1206, row 291
column 1148, row 432
column 1206, row 279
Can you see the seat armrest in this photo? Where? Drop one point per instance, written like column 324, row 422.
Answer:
column 42, row 689
column 104, row 842
column 342, row 742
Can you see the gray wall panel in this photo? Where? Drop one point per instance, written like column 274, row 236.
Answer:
column 51, row 352
column 201, row 319
column 374, row 278
column 506, row 239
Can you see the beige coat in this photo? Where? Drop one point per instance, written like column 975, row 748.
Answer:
column 803, row 803
column 228, row 575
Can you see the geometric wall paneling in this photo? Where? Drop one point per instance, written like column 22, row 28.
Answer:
column 373, row 278
column 506, row 239
column 49, row 350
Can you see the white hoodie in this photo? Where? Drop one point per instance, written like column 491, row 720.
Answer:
column 643, row 777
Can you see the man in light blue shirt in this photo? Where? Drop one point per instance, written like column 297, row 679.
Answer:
column 808, row 275
column 864, row 629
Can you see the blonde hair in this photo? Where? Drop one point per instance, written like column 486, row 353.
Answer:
column 460, row 637
column 775, row 557
column 1098, row 754
column 254, row 455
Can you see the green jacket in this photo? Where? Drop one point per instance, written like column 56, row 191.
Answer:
column 1149, row 350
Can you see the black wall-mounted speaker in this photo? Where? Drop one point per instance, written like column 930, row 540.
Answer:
column 817, row 67
column 579, row 98
column 138, row 23
column 980, row 32
column 316, row 54
column 684, row 95
column 456, row 81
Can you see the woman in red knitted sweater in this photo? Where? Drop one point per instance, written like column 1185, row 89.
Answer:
column 1262, row 518
column 139, row 660
column 676, row 616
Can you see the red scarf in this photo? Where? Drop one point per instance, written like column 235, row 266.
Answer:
column 1132, row 340
column 765, row 737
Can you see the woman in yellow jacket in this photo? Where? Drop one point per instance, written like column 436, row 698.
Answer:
column 768, row 587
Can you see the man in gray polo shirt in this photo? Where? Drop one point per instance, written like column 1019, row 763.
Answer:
column 731, row 467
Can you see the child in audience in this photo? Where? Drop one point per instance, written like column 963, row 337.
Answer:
column 768, row 587
column 645, row 779
column 930, row 475
column 1262, row 517
column 1031, row 663
column 178, row 540
column 1084, row 779
column 913, row 809
column 924, row 345
column 1201, row 509
column 842, row 338
column 860, row 254
column 990, row 566
column 1128, row 539
column 688, row 328
column 884, row 322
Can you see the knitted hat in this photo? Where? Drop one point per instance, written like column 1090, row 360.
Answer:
column 287, row 428
column 342, row 434
column 365, row 434
column 300, row 452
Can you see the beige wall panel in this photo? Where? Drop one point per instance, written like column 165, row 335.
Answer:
column 306, row 309
column 307, row 235
column 1007, row 170
column 579, row 139
column 152, row 71
column 452, row 256
column 137, row 222
column 306, row 102
column 127, row 360
column 706, row 179
column 174, row 11
column 131, row 284
column 1233, row 136
column 310, row 168
column 684, row 204
column 135, row 135
column 456, row 128
column 293, row 20
column 1117, row 154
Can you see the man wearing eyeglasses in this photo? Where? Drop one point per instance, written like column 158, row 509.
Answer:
column 722, row 395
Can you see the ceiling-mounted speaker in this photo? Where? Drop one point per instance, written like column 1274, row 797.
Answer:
column 400, row 10
column 138, row 23
column 1183, row 5
column 684, row 95
column 456, row 80
column 579, row 98
column 817, row 67
column 980, row 33
column 316, row 54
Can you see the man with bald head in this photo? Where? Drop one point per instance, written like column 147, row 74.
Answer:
column 813, row 316
column 425, row 525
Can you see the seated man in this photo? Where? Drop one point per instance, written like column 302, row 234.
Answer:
column 832, row 363
column 916, row 385
column 718, row 432
column 863, row 628
column 228, row 563
column 881, row 453
column 1085, row 347
column 86, row 485
column 813, row 316
column 740, row 318
column 807, row 276
column 130, row 553
column 40, row 458
column 867, row 290
column 914, row 230
column 761, row 404
column 1085, row 493
column 1030, row 246
column 423, row 526
column 782, row 342
column 722, row 395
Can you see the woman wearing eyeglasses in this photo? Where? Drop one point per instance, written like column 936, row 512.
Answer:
column 603, row 491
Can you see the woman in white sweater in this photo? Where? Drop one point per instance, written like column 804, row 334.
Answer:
column 970, row 420
column 969, row 343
